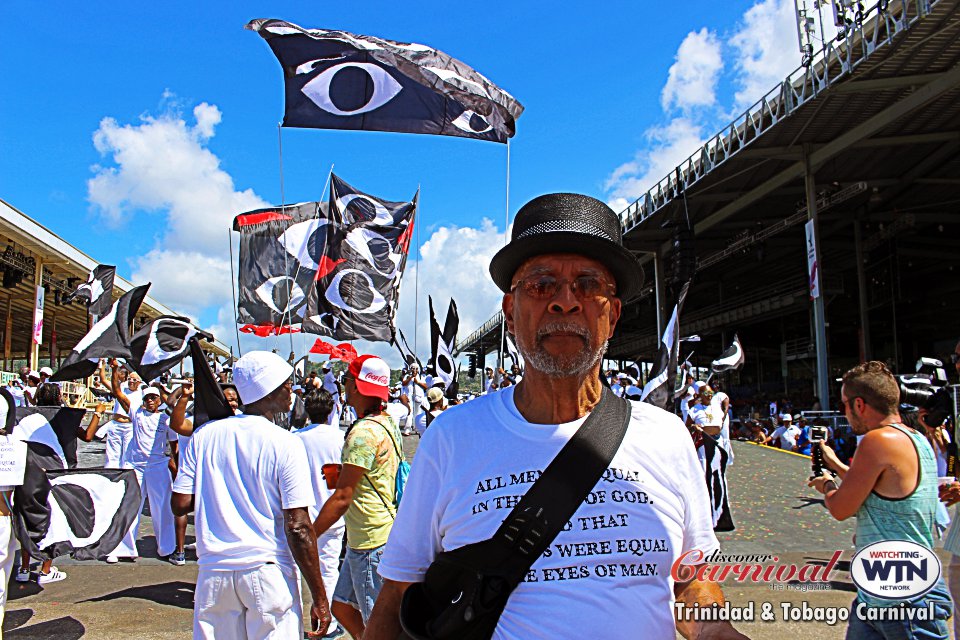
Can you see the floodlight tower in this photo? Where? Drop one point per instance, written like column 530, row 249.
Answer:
column 806, row 30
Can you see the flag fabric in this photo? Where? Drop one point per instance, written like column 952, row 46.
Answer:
column 97, row 290
column 658, row 390
column 357, row 297
column 513, row 352
column 442, row 344
column 714, row 459
column 343, row 351
column 209, row 402
column 339, row 80
column 282, row 250
column 160, row 345
column 109, row 338
column 61, row 510
column 732, row 358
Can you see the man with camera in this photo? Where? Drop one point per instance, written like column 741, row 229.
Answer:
column 891, row 487
column 563, row 275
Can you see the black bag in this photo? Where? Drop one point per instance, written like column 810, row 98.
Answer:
column 465, row 590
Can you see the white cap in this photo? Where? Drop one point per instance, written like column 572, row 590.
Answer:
column 47, row 371
column 786, row 417
column 326, row 365
column 698, row 385
column 259, row 373
column 633, row 391
column 151, row 391
column 33, row 374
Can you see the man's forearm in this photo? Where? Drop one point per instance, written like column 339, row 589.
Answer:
column 384, row 623
column 704, row 594
column 332, row 510
column 303, row 547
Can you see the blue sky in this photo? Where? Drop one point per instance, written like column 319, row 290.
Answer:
column 137, row 131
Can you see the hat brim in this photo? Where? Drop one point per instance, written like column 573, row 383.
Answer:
column 624, row 266
column 372, row 390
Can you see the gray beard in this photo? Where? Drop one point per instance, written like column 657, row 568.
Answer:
column 576, row 365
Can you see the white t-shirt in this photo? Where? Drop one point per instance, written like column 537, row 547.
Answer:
column 415, row 392
column 617, row 389
column 651, row 498
column 17, row 393
column 243, row 471
column 706, row 415
column 29, row 392
column 786, row 436
column 135, row 398
column 151, row 432
column 330, row 384
column 324, row 445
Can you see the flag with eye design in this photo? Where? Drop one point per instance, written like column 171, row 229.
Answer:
column 357, row 297
column 282, row 251
column 340, row 80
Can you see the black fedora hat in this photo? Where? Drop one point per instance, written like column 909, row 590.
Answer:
column 568, row 223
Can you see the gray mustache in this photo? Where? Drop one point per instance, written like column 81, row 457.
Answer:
column 562, row 327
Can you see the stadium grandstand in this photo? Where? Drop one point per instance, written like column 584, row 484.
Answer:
column 863, row 144
column 33, row 255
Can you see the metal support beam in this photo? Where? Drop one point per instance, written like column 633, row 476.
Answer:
column 819, row 311
column 865, row 349
column 882, row 84
column 658, row 290
column 37, row 314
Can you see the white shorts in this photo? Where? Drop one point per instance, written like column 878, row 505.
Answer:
column 253, row 604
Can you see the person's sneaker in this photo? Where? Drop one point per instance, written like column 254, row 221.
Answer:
column 112, row 559
column 338, row 632
column 23, row 575
column 55, row 575
column 178, row 558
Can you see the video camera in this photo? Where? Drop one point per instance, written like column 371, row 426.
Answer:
column 818, row 434
column 927, row 389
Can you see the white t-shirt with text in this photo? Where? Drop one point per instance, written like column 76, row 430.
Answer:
column 611, row 566
column 243, row 471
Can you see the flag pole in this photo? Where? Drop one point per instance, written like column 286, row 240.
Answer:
column 233, row 291
column 283, row 209
column 416, row 281
column 506, row 240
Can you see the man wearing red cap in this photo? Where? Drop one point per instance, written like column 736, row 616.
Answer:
column 365, row 492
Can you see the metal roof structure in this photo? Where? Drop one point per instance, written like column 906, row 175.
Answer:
column 64, row 266
column 872, row 128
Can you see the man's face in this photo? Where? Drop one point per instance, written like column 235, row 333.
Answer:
column 134, row 382
column 151, row 402
column 563, row 333
column 849, row 406
column 232, row 398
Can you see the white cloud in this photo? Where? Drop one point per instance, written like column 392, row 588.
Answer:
column 162, row 164
column 693, row 76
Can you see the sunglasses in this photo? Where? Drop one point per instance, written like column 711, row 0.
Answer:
column 546, row 286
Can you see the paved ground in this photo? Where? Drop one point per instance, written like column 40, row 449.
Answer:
column 774, row 511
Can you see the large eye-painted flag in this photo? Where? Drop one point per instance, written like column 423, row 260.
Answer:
column 282, row 251
column 209, row 403
column 442, row 345
column 659, row 388
column 732, row 358
column 357, row 297
column 97, row 290
column 109, row 338
column 160, row 345
column 339, row 80
column 60, row 510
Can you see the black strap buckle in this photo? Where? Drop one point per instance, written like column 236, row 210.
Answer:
column 525, row 529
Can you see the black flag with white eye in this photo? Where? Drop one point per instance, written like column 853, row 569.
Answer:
column 109, row 338
column 341, row 80
column 282, row 249
column 442, row 344
column 97, row 290
column 209, row 403
column 730, row 359
column 357, row 299
column 161, row 344
column 60, row 510
column 658, row 390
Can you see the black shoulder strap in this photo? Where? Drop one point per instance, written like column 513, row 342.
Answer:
column 556, row 495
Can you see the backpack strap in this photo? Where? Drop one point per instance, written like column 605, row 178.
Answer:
column 390, row 509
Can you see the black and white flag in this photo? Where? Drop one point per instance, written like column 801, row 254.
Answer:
column 357, row 297
column 209, row 402
column 339, row 80
column 732, row 358
column 513, row 352
column 442, row 344
column 658, row 390
column 161, row 344
column 97, row 290
column 282, row 252
column 109, row 338
column 61, row 510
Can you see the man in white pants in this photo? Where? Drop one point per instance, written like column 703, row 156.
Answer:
column 119, row 431
column 8, row 542
column 154, row 469
column 245, row 476
column 324, row 445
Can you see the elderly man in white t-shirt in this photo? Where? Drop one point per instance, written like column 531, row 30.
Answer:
column 249, row 482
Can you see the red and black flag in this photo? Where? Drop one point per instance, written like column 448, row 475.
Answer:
column 339, row 80
column 97, row 290
column 109, row 338
column 357, row 299
column 282, row 251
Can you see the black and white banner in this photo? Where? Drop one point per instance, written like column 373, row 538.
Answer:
column 513, row 352
column 357, row 297
column 658, row 390
column 442, row 344
column 339, row 80
column 97, row 290
column 109, row 338
column 730, row 359
column 209, row 402
column 160, row 345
